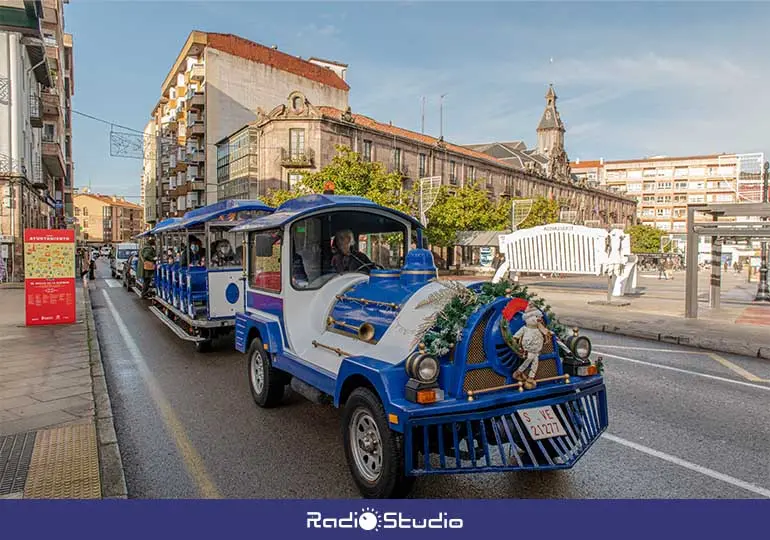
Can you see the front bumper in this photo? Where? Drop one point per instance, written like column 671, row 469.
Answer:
column 496, row 439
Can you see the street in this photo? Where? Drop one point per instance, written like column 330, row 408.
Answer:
column 684, row 423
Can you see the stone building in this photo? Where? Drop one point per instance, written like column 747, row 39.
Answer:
column 298, row 137
column 216, row 84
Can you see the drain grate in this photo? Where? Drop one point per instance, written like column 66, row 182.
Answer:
column 15, row 457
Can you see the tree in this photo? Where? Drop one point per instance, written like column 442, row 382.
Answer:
column 351, row 175
column 467, row 209
column 543, row 212
column 645, row 239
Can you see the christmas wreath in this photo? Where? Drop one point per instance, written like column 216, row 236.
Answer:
column 444, row 330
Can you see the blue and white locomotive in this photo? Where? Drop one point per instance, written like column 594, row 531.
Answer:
column 199, row 279
column 337, row 296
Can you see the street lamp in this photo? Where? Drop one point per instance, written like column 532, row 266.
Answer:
column 763, row 291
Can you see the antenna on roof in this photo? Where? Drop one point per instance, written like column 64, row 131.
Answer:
column 422, row 116
column 441, row 115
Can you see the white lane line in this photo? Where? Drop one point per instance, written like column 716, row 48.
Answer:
column 112, row 282
column 192, row 459
column 697, row 374
column 649, row 349
column 691, row 466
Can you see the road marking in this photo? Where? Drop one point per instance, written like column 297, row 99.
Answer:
column 737, row 369
column 190, row 456
column 680, row 370
column 691, row 466
column 648, row 349
column 112, row 282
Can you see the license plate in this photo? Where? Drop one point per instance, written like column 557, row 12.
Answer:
column 542, row 423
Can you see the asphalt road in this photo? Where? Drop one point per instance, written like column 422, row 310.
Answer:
column 683, row 424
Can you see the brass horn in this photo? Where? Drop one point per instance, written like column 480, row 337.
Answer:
column 364, row 332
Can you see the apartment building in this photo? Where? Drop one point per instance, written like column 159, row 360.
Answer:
column 36, row 83
column 664, row 186
column 148, row 189
column 297, row 137
column 216, row 84
column 107, row 219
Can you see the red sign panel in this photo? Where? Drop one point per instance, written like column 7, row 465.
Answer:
column 49, row 272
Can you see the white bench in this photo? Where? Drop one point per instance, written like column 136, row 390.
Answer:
column 564, row 248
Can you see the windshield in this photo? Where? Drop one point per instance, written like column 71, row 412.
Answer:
column 126, row 253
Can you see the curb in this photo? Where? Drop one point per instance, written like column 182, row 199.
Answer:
column 697, row 342
column 112, row 476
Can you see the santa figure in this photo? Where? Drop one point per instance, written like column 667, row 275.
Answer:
column 531, row 338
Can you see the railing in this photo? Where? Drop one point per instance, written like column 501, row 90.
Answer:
column 294, row 158
column 35, row 108
column 197, row 72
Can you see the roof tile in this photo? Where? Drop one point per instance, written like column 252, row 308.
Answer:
column 238, row 46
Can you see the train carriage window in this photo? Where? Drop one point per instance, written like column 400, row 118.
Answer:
column 226, row 248
column 265, row 260
column 339, row 242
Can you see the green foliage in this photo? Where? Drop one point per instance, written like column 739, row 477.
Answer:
column 467, row 209
column 450, row 322
column 544, row 211
column 351, row 175
column 646, row 239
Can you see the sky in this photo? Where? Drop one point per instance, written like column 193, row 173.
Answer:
column 633, row 79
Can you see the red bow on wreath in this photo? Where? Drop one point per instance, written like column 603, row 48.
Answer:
column 513, row 307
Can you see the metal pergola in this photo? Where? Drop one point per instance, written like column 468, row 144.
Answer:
column 718, row 231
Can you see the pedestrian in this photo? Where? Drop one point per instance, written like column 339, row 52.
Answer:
column 662, row 270
column 91, row 268
column 3, row 270
column 85, row 266
column 147, row 265
column 497, row 261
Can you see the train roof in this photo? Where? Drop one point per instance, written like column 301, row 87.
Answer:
column 219, row 209
column 295, row 209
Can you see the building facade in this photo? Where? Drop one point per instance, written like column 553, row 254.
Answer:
column 664, row 186
column 297, row 137
column 36, row 84
column 216, row 85
column 107, row 219
column 148, row 190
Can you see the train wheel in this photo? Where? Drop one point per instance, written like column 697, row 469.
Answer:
column 267, row 383
column 203, row 346
column 374, row 452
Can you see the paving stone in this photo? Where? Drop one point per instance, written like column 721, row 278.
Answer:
column 19, row 401
column 83, row 390
column 39, row 421
column 49, row 406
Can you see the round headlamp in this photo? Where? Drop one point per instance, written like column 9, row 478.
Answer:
column 580, row 347
column 422, row 367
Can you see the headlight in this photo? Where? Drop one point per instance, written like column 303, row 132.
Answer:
column 422, row 367
column 580, row 347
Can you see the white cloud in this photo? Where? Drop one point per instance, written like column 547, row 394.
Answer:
column 315, row 30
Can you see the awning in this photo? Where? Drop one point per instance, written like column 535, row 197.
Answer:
column 479, row 238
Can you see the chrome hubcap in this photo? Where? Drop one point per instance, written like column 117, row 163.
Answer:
column 257, row 373
column 366, row 445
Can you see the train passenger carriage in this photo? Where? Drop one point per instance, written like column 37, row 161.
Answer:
column 199, row 275
column 343, row 304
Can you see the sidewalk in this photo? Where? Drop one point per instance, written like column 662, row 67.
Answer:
column 739, row 326
column 57, row 438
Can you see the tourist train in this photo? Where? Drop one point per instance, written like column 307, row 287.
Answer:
column 336, row 297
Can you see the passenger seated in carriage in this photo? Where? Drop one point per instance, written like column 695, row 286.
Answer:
column 223, row 254
column 197, row 253
column 346, row 257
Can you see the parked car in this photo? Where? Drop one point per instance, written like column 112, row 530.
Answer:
column 95, row 254
column 122, row 252
column 129, row 271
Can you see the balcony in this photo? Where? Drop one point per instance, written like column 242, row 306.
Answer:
column 197, row 101
column 297, row 159
column 35, row 116
column 53, row 159
column 37, row 176
column 50, row 101
column 196, row 130
column 196, row 156
column 197, row 72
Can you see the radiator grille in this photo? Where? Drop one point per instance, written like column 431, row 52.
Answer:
column 476, row 353
column 546, row 368
column 480, row 379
